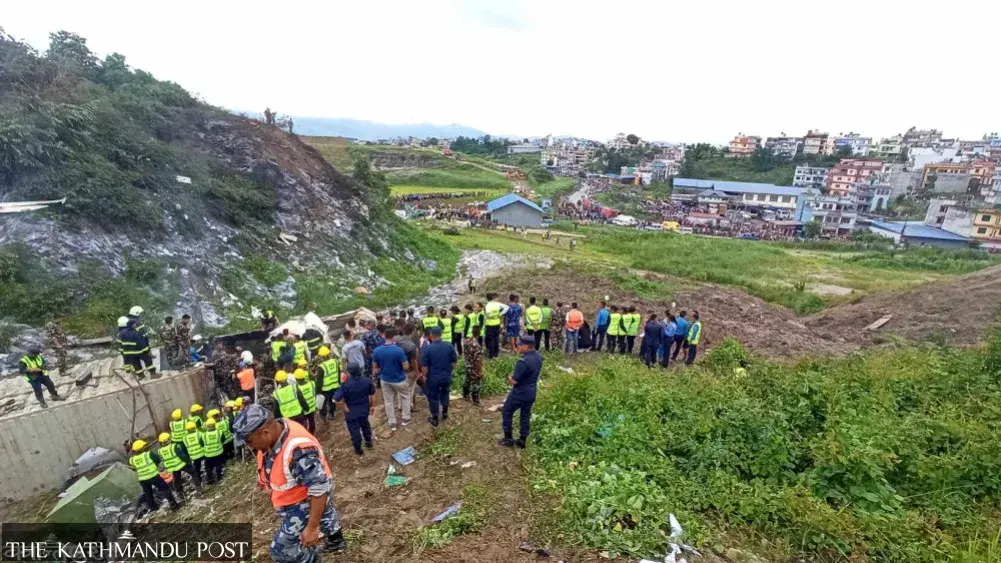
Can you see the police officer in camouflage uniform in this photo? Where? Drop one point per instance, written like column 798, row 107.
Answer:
column 168, row 343
column 183, row 337
column 58, row 342
column 298, row 539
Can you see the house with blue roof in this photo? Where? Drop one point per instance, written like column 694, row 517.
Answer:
column 515, row 211
column 748, row 194
column 916, row 232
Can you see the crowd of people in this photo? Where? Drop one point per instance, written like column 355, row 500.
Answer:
column 437, row 195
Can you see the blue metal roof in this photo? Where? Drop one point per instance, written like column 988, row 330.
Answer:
column 505, row 200
column 916, row 229
column 737, row 187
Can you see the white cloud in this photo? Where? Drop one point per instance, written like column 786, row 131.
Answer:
column 683, row 71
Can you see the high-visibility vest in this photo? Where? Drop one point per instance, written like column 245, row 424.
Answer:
column 309, row 393
column 177, row 431
column 475, row 319
column 533, row 318
column 246, row 379
column 284, row 490
column 196, row 419
column 288, row 401
column 314, row 343
column 213, row 442
column 493, row 314
column 35, row 362
column 613, row 328
column 446, row 332
column 144, row 466
column 428, row 322
column 331, row 374
column 632, row 324
column 547, row 317
column 193, row 444
column 459, row 323
column 171, row 461
column 575, row 319
column 276, row 349
column 223, row 427
column 300, row 351
column 695, row 333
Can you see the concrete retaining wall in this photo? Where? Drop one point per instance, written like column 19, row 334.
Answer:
column 37, row 448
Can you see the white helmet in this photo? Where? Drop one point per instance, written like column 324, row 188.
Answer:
column 197, row 338
column 247, row 356
column 136, row 311
column 123, row 322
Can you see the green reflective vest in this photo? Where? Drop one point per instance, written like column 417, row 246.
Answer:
column 314, row 343
column 459, row 323
column 446, row 331
column 276, row 349
column 331, row 374
column 547, row 317
column 475, row 319
column 177, row 431
column 428, row 322
column 197, row 419
column 632, row 324
column 614, row 328
column 213, row 442
column 695, row 333
column 193, row 444
column 300, row 351
column 288, row 401
column 493, row 314
column 308, row 389
column 36, row 362
column 533, row 318
column 171, row 461
column 223, row 426
column 144, row 466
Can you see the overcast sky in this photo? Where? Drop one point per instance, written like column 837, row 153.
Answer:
column 662, row 69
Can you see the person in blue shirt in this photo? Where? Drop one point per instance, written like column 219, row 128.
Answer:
column 513, row 318
column 437, row 362
column 601, row 326
column 680, row 333
column 524, row 382
column 670, row 329
column 390, row 364
column 357, row 393
column 653, row 333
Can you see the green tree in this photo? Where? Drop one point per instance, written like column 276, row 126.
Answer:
column 67, row 47
column 376, row 185
column 632, row 139
column 812, row 229
column 763, row 159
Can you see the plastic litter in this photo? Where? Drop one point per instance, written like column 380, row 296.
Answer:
column 485, row 420
column 676, row 550
column 405, row 456
column 396, row 480
column 448, row 512
column 467, row 465
column 565, row 369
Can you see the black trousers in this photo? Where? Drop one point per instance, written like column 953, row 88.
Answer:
column 493, row 341
column 613, row 342
column 437, row 393
column 161, row 485
column 599, row 337
column 195, row 470
column 537, row 336
column 310, row 422
column 630, row 342
column 329, row 406
column 457, row 341
column 213, row 468
column 545, row 335
column 37, row 384
column 179, row 482
column 359, row 427
column 692, row 349
column 650, row 353
column 512, row 404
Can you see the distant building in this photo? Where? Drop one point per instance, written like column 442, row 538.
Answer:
column 947, row 178
column 922, row 138
column 859, row 145
column 515, row 211
column 567, row 156
column 937, row 209
column 889, row 148
column 620, row 142
column 986, row 227
column 915, row 232
column 873, row 198
column 524, row 149
column 743, row 145
column 746, row 194
column 807, row 176
column 996, row 196
column 815, row 142
column 662, row 169
column 784, row 147
column 836, row 215
column 850, row 172
column 918, row 157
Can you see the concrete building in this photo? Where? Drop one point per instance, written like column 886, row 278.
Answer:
column 619, row 142
column 851, row 172
column 859, row 145
column 836, row 215
column 947, row 178
column 807, row 176
column 937, row 208
column 663, row 169
column 919, row 157
column 889, row 148
column 915, row 232
column 986, row 227
column 747, row 194
column 995, row 197
column 814, row 142
column 524, row 149
column 922, row 138
column 902, row 179
column 567, row 156
column 784, row 147
column 872, row 198
column 743, row 145
column 515, row 211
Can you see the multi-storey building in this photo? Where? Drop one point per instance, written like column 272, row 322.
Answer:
column 889, row 148
column 837, row 215
column 784, row 147
column 567, row 156
column 922, row 138
column 946, row 177
column 872, row 198
column 619, row 142
column 987, row 227
column 850, row 172
column 807, row 176
column 744, row 145
column 814, row 142
column 858, row 144
column 995, row 197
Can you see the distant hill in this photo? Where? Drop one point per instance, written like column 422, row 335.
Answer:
column 372, row 131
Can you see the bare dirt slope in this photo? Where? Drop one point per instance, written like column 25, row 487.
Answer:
column 956, row 311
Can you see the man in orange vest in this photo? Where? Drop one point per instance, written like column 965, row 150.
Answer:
column 574, row 320
column 292, row 467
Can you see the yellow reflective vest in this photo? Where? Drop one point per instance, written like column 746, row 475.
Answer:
column 493, row 314
column 288, row 401
column 614, row 326
column 331, row 374
column 144, row 466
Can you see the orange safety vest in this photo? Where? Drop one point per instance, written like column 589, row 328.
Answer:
column 284, row 490
column 575, row 319
column 246, row 378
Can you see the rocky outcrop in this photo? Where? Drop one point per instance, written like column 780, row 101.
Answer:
column 392, row 160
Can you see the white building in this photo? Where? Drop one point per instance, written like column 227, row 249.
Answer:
column 524, row 149
column 807, row 176
column 860, row 146
column 619, row 142
column 836, row 215
column 889, row 147
column 784, row 147
column 918, row 157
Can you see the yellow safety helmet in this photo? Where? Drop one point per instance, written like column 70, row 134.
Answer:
column 190, row 426
column 300, row 374
column 302, row 363
column 324, row 351
column 213, row 413
column 239, row 402
column 230, row 404
column 196, row 408
column 163, row 437
column 138, row 445
column 210, row 422
column 281, row 376
column 176, row 415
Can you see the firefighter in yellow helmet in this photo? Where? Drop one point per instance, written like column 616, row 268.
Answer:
column 146, row 465
column 308, row 389
column 289, row 402
column 175, row 461
column 195, row 415
column 177, row 426
column 195, row 448
column 328, row 379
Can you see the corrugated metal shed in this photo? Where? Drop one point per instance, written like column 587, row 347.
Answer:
column 737, row 187
column 505, row 200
